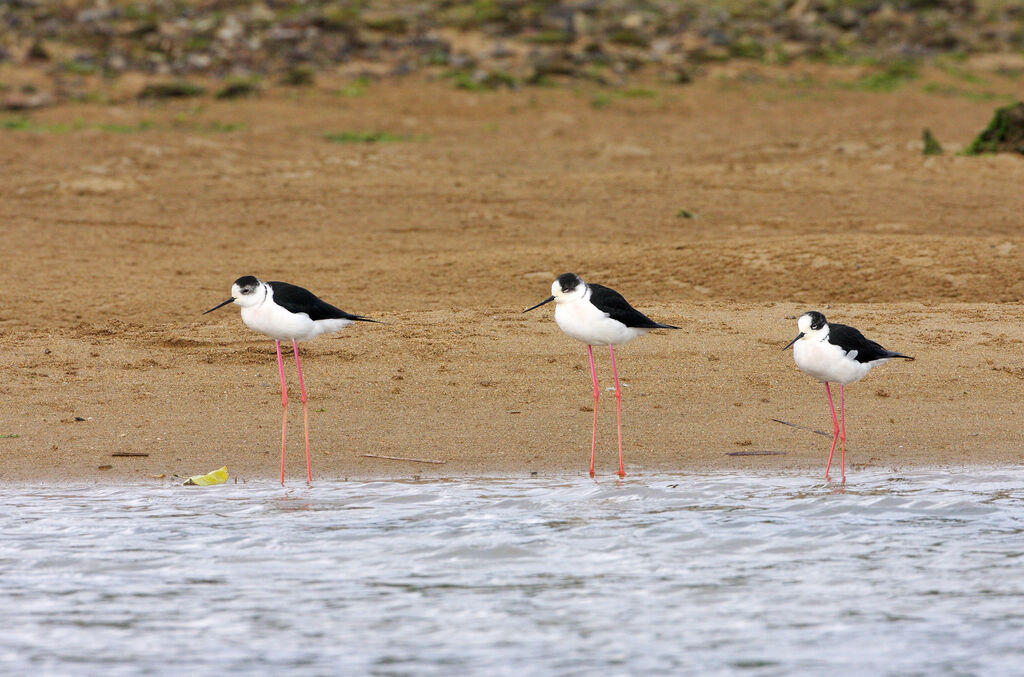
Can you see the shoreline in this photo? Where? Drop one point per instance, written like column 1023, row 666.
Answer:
column 109, row 480
column 536, row 417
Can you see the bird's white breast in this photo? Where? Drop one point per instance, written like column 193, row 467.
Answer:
column 277, row 323
column 585, row 322
column 827, row 362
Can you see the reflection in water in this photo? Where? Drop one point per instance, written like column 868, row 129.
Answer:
column 765, row 574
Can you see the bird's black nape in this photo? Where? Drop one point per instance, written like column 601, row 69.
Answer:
column 219, row 305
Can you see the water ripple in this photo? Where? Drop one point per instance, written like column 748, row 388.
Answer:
column 909, row 573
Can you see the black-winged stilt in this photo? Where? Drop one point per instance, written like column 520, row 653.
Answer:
column 837, row 353
column 598, row 316
column 284, row 311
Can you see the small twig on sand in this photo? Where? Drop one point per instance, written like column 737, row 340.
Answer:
column 403, row 458
column 129, row 453
column 754, row 453
column 794, row 425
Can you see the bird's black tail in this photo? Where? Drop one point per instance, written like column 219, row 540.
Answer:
column 360, row 318
column 905, row 357
column 659, row 325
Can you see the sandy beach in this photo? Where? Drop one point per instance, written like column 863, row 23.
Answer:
column 727, row 207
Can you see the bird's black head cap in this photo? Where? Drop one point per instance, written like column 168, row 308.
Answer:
column 817, row 319
column 568, row 282
column 247, row 284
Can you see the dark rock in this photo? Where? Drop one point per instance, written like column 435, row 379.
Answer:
column 677, row 75
column 552, row 63
column 91, row 15
column 176, row 89
column 401, row 69
column 38, row 52
column 25, row 101
column 239, row 88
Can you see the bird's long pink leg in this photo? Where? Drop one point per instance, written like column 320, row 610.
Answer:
column 618, row 408
column 284, row 404
column 597, row 394
column 835, row 429
column 305, row 411
column 842, row 431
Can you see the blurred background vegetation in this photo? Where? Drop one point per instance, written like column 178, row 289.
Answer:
column 480, row 44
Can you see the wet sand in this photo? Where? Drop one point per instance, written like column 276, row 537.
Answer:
column 116, row 242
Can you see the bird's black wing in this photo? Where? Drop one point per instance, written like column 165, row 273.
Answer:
column 295, row 299
column 850, row 339
column 611, row 302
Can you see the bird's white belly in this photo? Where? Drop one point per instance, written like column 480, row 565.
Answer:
column 278, row 323
column 827, row 362
column 584, row 322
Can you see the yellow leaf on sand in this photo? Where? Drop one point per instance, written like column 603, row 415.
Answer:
column 215, row 477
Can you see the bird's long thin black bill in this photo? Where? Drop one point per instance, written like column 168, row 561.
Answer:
column 547, row 300
column 798, row 337
column 220, row 305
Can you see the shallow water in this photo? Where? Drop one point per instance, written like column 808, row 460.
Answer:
column 907, row 573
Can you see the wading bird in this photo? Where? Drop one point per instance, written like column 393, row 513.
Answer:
column 837, row 353
column 598, row 316
column 284, row 312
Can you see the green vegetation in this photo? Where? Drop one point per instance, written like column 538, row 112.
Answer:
column 488, row 82
column 239, row 88
column 1004, row 132
column 302, row 75
column 115, row 128
column 215, row 127
column 931, row 144
column 603, row 99
column 78, row 67
column 550, row 38
column 629, row 37
column 747, row 48
column 970, row 95
column 197, row 43
column 367, row 137
column 9, row 436
column 354, row 89
column 18, row 124
column 686, row 214
column 889, row 79
column 637, row 93
column 833, row 55
column 23, row 124
column 958, row 73
column 389, row 24
column 474, row 14
column 497, row 79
